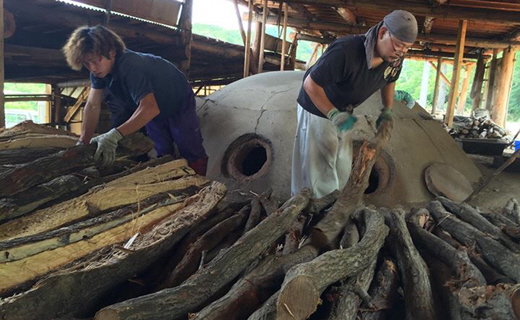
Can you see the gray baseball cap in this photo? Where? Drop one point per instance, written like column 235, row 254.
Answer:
column 402, row 24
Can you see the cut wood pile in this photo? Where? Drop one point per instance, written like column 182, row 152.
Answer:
column 163, row 243
column 476, row 128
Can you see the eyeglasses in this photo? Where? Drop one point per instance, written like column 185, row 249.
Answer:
column 400, row 47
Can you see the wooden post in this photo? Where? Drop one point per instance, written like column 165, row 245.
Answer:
column 240, row 25
column 491, row 80
column 464, row 90
column 284, row 41
column 2, row 72
column 459, row 53
column 56, row 105
column 437, row 83
column 108, row 7
column 186, row 35
column 293, row 52
column 247, row 44
column 478, row 80
column 499, row 110
column 262, row 39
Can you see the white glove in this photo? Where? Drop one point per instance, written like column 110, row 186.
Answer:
column 106, row 146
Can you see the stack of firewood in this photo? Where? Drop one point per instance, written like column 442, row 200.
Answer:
column 186, row 251
column 477, row 128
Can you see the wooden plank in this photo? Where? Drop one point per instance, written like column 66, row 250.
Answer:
column 79, row 102
column 284, row 35
column 450, row 111
column 438, row 74
column 261, row 51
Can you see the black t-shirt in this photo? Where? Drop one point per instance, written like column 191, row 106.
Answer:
column 135, row 75
column 343, row 73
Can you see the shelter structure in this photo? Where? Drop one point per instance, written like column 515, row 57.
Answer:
column 479, row 34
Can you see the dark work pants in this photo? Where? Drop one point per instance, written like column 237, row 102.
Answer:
column 183, row 129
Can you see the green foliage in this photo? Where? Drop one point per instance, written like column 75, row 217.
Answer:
column 17, row 88
column 514, row 97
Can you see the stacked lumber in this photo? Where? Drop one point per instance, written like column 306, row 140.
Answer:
column 191, row 252
column 477, row 128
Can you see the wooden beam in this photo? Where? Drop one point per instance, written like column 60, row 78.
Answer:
column 284, row 35
column 247, row 45
column 240, row 24
column 2, row 74
column 346, row 29
column 463, row 25
column 437, row 83
column 423, row 8
column 499, row 110
column 428, row 24
column 262, row 38
column 478, row 81
column 186, row 35
column 347, row 15
column 464, row 89
column 437, row 68
column 491, row 80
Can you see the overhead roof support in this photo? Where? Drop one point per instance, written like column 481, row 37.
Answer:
column 454, row 90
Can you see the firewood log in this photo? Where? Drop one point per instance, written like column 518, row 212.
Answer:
column 252, row 290
column 470, row 215
column 254, row 216
column 76, row 290
column 506, row 225
column 458, row 261
column 413, row 269
column 512, row 210
column 206, row 242
column 23, row 155
column 383, row 292
column 304, row 283
column 495, row 253
column 64, row 162
column 176, row 302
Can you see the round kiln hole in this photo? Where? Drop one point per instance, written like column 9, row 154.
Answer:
column 381, row 175
column 247, row 158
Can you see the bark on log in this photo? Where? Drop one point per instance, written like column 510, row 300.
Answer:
column 317, row 205
column 251, row 291
column 177, row 302
column 512, row 210
column 458, row 261
column 76, row 291
column 40, row 141
column 383, row 292
column 304, row 283
column 327, row 230
column 64, row 162
column 413, row 269
column 254, row 216
column 470, row 215
column 506, row 225
column 208, row 241
column 23, row 155
column 94, row 203
column 495, row 253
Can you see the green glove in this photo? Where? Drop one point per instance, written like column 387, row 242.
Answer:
column 386, row 115
column 106, row 146
column 343, row 120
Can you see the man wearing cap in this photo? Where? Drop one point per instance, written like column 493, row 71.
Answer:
column 348, row 73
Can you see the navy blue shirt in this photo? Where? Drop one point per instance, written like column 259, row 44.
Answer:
column 134, row 75
column 343, row 73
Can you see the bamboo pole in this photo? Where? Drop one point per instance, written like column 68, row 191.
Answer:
column 247, row 44
column 437, row 83
column 284, row 41
column 459, row 52
column 262, row 39
column 499, row 110
column 240, row 25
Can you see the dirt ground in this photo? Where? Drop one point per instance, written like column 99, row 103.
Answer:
column 503, row 187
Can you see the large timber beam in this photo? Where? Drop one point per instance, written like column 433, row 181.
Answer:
column 344, row 28
column 424, row 9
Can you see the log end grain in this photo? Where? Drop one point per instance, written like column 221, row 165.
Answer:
column 298, row 299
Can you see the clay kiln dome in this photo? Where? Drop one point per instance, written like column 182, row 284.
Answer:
column 249, row 126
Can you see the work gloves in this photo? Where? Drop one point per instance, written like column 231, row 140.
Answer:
column 386, row 115
column 106, row 146
column 342, row 120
